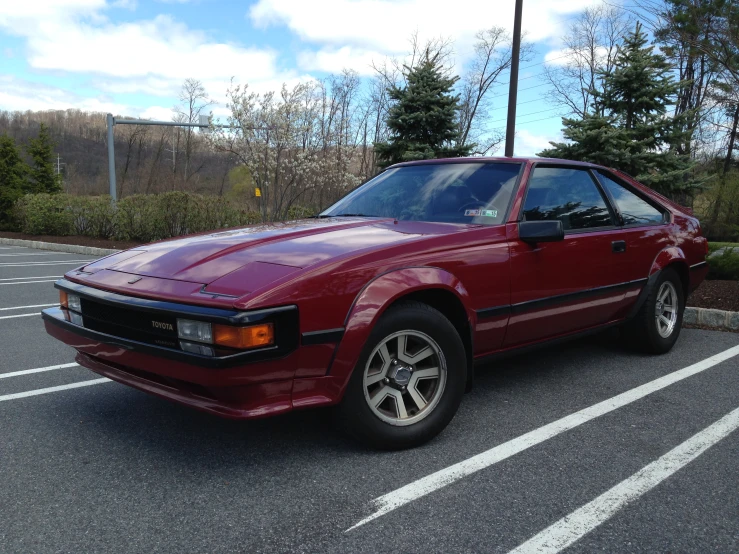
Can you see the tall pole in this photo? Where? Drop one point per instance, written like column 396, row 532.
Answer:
column 111, row 159
column 510, row 134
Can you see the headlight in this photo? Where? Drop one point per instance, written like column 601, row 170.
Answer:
column 226, row 335
column 70, row 301
column 196, row 348
column 194, row 330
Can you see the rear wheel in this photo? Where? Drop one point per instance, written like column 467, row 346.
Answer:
column 408, row 382
column 656, row 327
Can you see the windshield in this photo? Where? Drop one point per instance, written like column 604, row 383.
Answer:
column 448, row 193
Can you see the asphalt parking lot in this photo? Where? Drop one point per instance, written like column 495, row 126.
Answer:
column 585, row 447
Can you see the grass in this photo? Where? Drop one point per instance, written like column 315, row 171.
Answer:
column 712, row 246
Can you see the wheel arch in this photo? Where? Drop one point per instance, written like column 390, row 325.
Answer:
column 434, row 286
column 673, row 258
column 451, row 307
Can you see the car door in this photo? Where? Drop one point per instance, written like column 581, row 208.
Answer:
column 569, row 285
column 644, row 232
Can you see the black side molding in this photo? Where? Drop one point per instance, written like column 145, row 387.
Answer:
column 487, row 313
column 329, row 336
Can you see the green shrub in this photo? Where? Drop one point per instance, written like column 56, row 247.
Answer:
column 136, row 219
column 45, row 214
column 725, row 265
column 141, row 217
column 92, row 216
column 300, row 212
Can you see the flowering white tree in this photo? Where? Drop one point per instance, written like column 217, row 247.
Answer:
column 301, row 145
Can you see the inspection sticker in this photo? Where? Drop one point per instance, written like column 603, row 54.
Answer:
column 483, row 213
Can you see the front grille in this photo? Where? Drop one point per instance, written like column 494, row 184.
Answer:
column 126, row 323
column 155, row 329
column 154, row 323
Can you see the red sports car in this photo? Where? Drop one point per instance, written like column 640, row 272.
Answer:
column 384, row 303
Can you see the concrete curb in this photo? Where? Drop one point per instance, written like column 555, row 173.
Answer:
column 719, row 319
column 56, row 247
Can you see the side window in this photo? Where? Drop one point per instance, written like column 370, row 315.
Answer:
column 569, row 195
column 634, row 210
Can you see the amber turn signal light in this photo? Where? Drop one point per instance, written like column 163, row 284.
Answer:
column 63, row 301
column 244, row 337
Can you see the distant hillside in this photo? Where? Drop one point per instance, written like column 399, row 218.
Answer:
column 148, row 159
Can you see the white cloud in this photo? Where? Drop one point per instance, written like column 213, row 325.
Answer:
column 157, row 113
column 386, row 25
column 154, row 55
column 565, row 56
column 333, row 60
column 21, row 95
column 528, row 143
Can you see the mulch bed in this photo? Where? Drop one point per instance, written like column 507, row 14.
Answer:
column 81, row 241
column 716, row 294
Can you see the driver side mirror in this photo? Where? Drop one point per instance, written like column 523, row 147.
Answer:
column 541, row 231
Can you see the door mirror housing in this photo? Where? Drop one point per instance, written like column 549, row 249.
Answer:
column 541, row 231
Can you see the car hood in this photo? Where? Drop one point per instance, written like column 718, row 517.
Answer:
column 260, row 254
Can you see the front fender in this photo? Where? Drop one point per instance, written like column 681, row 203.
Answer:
column 375, row 298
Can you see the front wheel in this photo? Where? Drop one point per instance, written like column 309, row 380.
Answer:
column 656, row 327
column 409, row 380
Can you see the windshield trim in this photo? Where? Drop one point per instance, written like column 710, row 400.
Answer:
column 522, row 166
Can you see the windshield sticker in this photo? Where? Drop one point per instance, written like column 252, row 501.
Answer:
column 483, row 213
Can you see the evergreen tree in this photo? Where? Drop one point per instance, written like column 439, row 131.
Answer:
column 634, row 134
column 423, row 119
column 13, row 173
column 43, row 174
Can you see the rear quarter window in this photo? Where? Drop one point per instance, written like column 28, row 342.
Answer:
column 634, row 210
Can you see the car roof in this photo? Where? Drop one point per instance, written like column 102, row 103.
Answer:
column 478, row 159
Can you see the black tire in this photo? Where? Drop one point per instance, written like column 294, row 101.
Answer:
column 642, row 331
column 354, row 414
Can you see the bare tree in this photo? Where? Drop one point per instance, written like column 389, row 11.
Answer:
column 590, row 46
column 194, row 100
column 492, row 58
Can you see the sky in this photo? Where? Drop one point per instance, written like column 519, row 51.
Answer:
column 130, row 57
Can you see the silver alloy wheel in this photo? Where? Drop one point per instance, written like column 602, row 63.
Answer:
column 404, row 377
column 665, row 313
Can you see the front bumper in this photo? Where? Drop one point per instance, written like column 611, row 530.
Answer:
column 127, row 321
column 245, row 385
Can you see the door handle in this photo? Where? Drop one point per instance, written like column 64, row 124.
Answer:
column 618, row 246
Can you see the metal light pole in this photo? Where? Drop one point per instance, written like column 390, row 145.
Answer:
column 203, row 123
column 510, row 134
column 111, row 159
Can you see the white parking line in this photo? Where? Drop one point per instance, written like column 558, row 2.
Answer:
column 582, row 521
column 31, row 306
column 29, row 282
column 36, row 370
column 19, row 315
column 54, row 389
column 34, row 264
column 32, row 277
column 38, row 254
column 426, row 485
